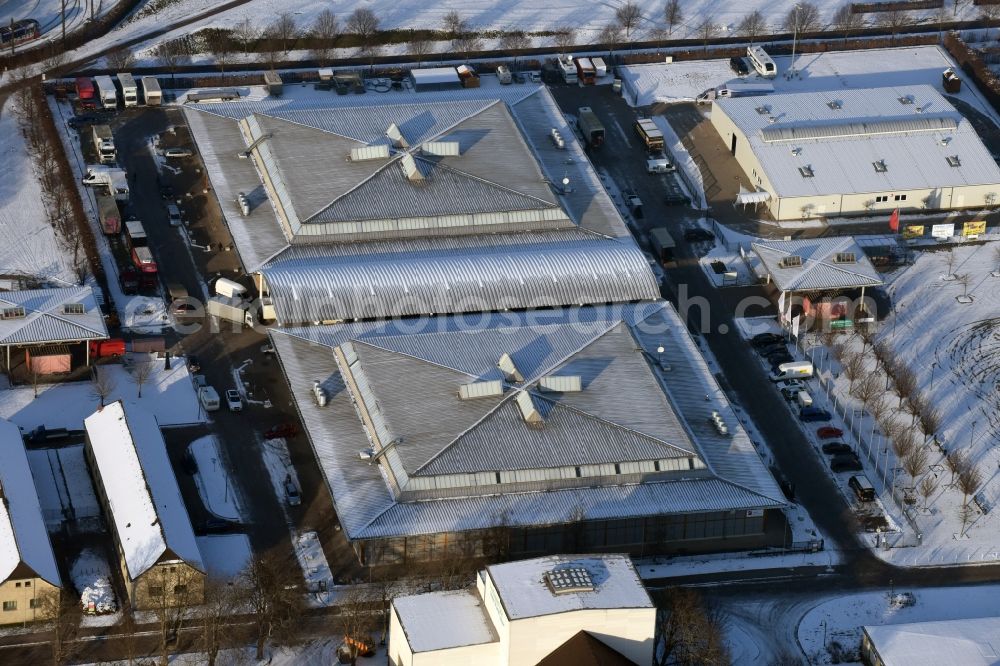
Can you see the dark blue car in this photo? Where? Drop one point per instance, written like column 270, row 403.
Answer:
column 809, row 414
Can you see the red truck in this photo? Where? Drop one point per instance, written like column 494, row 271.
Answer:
column 142, row 256
column 85, row 92
column 107, row 208
column 107, row 348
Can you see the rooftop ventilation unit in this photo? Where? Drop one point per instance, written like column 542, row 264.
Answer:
column 954, row 161
column 845, row 258
column 906, row 100
column 411, row 169
column 370, row 153
column 880, row 166
column 441, row 148
column 480, row 390
column 529, row 412
column 720, row 425
column 319, row 393
column 835, row 104
column 396, row 136
column 569, row 581
column 806, row 171
column 791, row 261
column 796, row 151
column 944, row 141
column 509, row 370
column 764, row 109
column 561, row 383
column 74, row 308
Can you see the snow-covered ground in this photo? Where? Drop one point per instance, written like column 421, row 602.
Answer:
column 315, row 569
column 48, row 13
column 64, row 487
column 212, row 479
column 168, row 394
column 835, row 70
column 279, row 467
column 30, row 246
column 225, row 555
column 91, row 576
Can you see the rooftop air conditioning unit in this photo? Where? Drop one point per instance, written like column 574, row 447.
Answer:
column 319, row 393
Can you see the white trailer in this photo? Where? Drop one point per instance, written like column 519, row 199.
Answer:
column 600, row 67
column 568, row 68
column 114, row 179
column 762, row 62
column 106, row 92
column 151, row 91
column 104, row 143
column 130, row 91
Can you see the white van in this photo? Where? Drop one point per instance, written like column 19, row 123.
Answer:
column 659, row 165
column 762, row 62
column 804, row 399
column 503, row 73
column 229, row 289
column 209, row 398
column 793, row 370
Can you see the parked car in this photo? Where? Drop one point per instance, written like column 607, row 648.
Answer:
column 829, row 432
column 174, row 214
column 739, row 66
column 178, row 152
column 810, row 414
column 765, row 339
column 836, row 448
column 698, row 234
column 292, row 495
column 233, row 400
column 846, row 462
column 791, row 393
column 771, row 348
column 284, row 430
column 193, row 364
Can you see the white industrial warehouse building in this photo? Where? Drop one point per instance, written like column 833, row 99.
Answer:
column 850, row 152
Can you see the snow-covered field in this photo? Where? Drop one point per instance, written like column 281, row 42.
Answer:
column 48, row 13
column 212, row 479
column 64, row 486
column 30, row 246
column 168, row 394
column 837, row 70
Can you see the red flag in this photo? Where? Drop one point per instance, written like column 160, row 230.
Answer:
column 894, row 220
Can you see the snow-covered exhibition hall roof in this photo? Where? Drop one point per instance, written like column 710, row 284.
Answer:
column 326, row 168
column 444, row 620
column 815, row 264
column 457, row 274
column 861, row 141
column 970, row 642
column 529, row 415
column 25, row 549
column 525, row 591
column 45, row 316
column 147, row 511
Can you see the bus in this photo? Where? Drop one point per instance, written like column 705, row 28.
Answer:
column 142, row 256
column 762, row 62
column 19, row 31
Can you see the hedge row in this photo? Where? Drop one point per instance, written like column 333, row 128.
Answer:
column 897, row 5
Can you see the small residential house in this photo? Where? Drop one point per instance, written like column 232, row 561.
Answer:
column 28, row 567
column 970, row 642
column 158, row 555
column 562, row 609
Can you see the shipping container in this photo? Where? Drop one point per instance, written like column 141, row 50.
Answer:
column 151, row 91
column 585, row 71
column 107, row 209
column 85, row 92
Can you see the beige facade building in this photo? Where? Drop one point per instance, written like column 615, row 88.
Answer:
column 28, row 569
column 856, row 152
column 527, row 612
column 157, row 552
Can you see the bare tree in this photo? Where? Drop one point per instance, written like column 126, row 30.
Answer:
column 969, row 478
column 120, row 60
column 141, row 372
column 927, row 486
column 172, row 55
column 213, row 614
column 246, row 32
column 930, row 420
column 915, row 463
column 803, row 17
column 989, row 14
column 453, row 24
column 61, row 613
column 359, row 618
column 916, row 404
column 956, row 461
column 690, row 632
column 846, row 21
column 964, row 279
column 325, row 30
column 218, row 45
column 672, row 15
column 905, row 381
column 707, row 29
column 514, row 39
column 274, row 606
column 868, row 389
column 463, row 38
column 175, row 595
column 128, row 631
column 904, row 443
column 611, row 35
column 363, row 24
column 628, row 17
column 104, row 385
column 419, row 47
column 752, row 26
column 853, row 366
column 893, row 20
column 965, row 514
column 564, row 38
column 285, row 28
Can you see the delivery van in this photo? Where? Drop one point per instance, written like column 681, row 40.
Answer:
column 793, row 370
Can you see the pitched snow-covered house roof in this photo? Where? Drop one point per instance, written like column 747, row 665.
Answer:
column 147, row 511
column 46, row 316
column 970, row 642
column 856, row 141
column 529, row 416
column 25, row 549
column 815, row 264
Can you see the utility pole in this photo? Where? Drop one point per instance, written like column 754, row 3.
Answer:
column 64, row 23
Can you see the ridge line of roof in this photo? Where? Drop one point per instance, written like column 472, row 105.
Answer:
column 392, row 158
column 312, row 127
column 410, row 356
column 447, row 167
column 812, row 262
